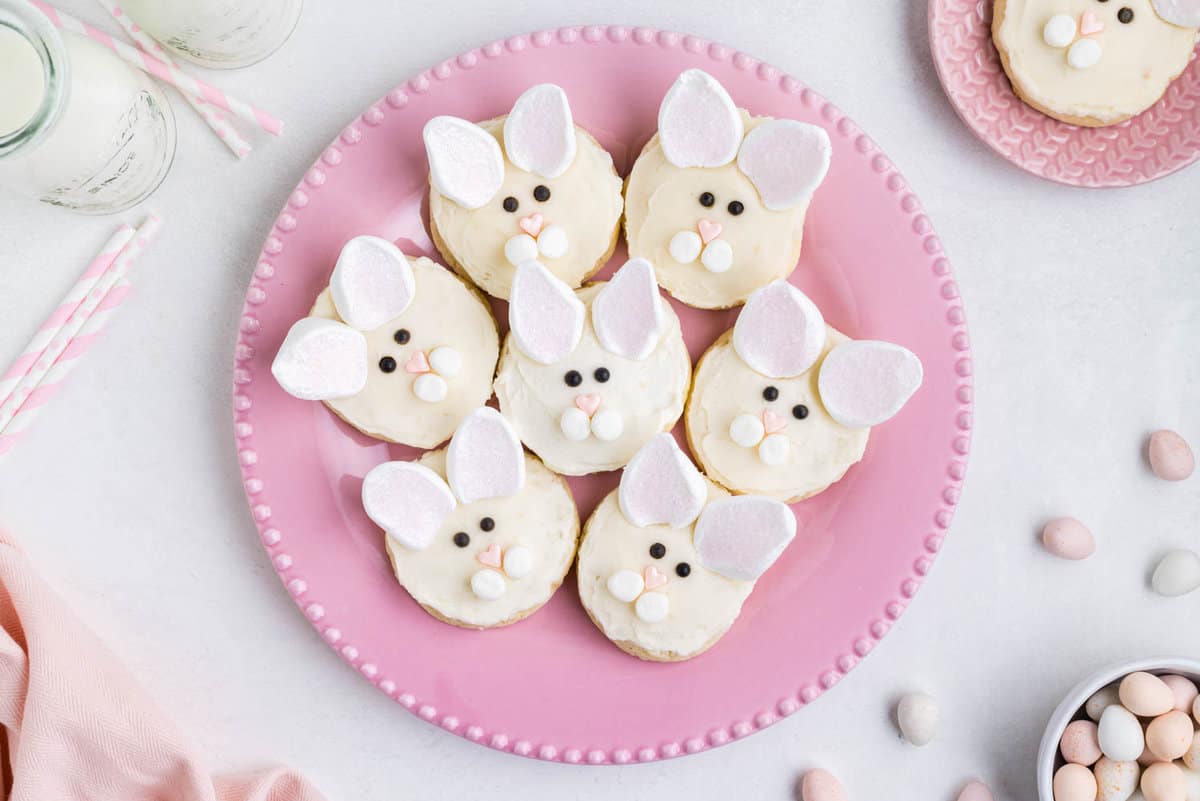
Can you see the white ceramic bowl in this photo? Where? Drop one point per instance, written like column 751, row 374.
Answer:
column 1071, row 708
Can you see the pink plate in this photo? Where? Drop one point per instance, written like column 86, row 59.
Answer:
column 1161, row 140
column 552, row 686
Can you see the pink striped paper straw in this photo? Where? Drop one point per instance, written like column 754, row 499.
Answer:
column 180, row 80
column 62, row 339
column 66, row 307
column 220, row 125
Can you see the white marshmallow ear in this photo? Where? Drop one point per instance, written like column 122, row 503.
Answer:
column 627, row 313
column 862, row 383
column 544, row 315
column 698, row 124
column 741, row 537
column 660, row 485
column 539, row 132
column 786, row 161
column 1184, row 13
column 321, row 360
column 408, row 501
column 780, row 332
column 465, row 162
column 485, row 458
column 372, row 283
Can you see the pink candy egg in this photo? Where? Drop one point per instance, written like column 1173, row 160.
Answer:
column 1163, row 781
column 1170, row 736
column 975, row 791
column 1074, row 783
column 1185, row 691
column 1146, row 695
column 1170, row 456
column 1067, row 538
column 1080, row 743
column 821, row 785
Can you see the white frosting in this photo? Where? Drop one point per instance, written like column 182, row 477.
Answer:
column 321, row 359
column 372, row 282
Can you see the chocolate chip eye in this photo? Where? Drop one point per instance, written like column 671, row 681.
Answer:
column 601, row 374
column 799, row 411
column 707, row 199
column 573, row 378
column 462, row 539
column 735, row 207
column 387, row 364
column 487, row 524
column 402, row 336
column 1125, row 15
column 683, row 570
column 511, row 204
column 541, row 193
column 770, row 394
column 658, row 550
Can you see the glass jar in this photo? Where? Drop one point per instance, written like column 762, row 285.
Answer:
column 223, row 34
column 101, row 135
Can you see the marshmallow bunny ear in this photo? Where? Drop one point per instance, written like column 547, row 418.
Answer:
column 1185, row 13
column 372, row 283
column 627, row 313
column 698, row 124
column 862, row 383
column 660, row 485
column 544, row 315
column 465, row 162
column 539, row 132
column 408, row 501
column 321, row 360
column 742, row 536
column 485, row 458
column 780, row 332
column 786, row 161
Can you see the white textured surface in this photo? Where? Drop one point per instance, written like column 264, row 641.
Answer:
column 1084, row 308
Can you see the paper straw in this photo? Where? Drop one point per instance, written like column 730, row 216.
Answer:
column 66, row 307
column 75, row 323
column 220, row 125
column 180, row 80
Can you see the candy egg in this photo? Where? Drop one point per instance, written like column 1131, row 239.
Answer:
column 1116, row 781
column 1148, row 758
column 1196, row 709
column 1101, row 700
column 975, row 791
column 1178, row 573
column 1164, row 781
column 1170, row 736
column 1074, row 783
column 1146, row 695
column 1170, row 456
column 1185, row 691
column 1120, row 735
column 821, row 785
column 1191, row 757
column 1191, row 782
column 1067, row 538
column 917, row 714
column 1080, row 743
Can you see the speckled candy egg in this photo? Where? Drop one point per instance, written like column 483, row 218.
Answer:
column 1171, row 458
column 1067, row 538
column 1080, row 742
column 1116, row 781
column 1120, row 735
column 1074, row 783
column 1170, row 736
column 975, row 791
column 1164, row 781
column 1101, row 700
column 821, row 785
column 1146, row 695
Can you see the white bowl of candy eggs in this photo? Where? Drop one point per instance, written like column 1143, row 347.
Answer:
column 1126, row 733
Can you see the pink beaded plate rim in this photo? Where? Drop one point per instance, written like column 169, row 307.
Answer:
column 274, row 541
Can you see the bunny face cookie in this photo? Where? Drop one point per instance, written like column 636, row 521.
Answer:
column 782, row 405
column 1094, row 62
column 479, row 533
column 588, row 377
column 668, row 558
column 400, row 350
column 530, row 185
column 717, row 199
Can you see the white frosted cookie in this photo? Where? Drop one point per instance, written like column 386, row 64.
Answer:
column 529, row 185
column 717, row 198
column 782, row 404
column 587, row 377
column 401, row 350
column 668, row 558
column 1094, row 62
column 480, row 533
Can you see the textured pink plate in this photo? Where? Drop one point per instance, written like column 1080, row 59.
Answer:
column 551, row 686
column 1163, row 139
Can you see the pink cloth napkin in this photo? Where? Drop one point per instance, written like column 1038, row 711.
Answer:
column 79, row 728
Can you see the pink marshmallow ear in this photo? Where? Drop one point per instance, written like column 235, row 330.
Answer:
column 539, row 132
column 544, row 315
column 627, row 313
column 372, row 283
column 408, row 501
column 1184, row 13
column 698, row 124
column 321, row 360
column 661, row 486
column 862, row 383
column 786, row 161
column 485, row 458
column 465, row 162
column 741, row 537
column 779, row 332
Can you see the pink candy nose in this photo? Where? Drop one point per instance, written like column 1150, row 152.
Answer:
column 1089, row 23
column 532, row 224
column 417, row 363
column 653, row 578
column 588, row 404
column 490, row 556
column 772, row 422
column 709, row 230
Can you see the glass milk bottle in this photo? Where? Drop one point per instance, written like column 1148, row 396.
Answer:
column 218, row 33
column 79, row 127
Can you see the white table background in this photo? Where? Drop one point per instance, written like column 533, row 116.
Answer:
column 1083, row 310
